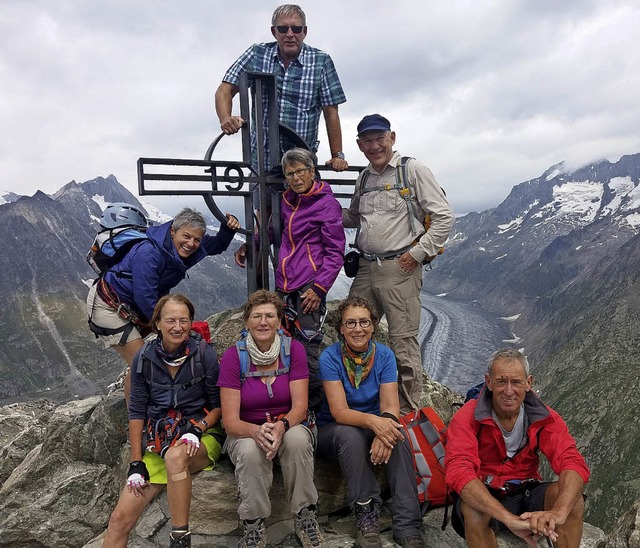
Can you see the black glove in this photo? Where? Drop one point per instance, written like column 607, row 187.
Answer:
column 138, row 467
column 195, row 430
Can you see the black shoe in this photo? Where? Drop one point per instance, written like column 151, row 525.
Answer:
column 368, row 525
column 182, row 541
column 412, row 541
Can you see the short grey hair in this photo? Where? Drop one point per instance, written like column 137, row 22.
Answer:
column 299, row 156
column 287, row 10
column 508, row 354
column 189, row 217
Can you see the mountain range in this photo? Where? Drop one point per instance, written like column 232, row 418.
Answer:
column 45, row 343
column 559, row 259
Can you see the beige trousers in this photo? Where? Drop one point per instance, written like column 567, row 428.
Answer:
column 254, row 472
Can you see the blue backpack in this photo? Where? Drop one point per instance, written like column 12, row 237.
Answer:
column 473, row 392
column 111, row 245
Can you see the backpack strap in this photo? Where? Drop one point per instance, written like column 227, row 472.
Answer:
column 404, row 189
column 202, row 374
column 243, row 355
column 358, row 191
column 144, row 366
column 139, row 363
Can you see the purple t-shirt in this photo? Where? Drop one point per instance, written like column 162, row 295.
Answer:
column 255, row 402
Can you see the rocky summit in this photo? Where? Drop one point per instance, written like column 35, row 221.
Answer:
column 63, row 467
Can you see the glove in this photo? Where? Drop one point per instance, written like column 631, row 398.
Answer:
column 138, row 475
column 193, row 436
column 195, row 430
column 190, row 438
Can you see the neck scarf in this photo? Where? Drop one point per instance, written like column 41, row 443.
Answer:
column 263, row 358
column 175, row 358
column 358, row 364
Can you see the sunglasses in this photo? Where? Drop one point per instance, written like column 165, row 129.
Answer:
column 283, row 29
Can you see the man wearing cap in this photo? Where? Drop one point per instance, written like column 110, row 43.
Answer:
column 307, row 84
column 394, row 244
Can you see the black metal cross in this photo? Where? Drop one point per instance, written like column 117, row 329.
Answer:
column 211, row 178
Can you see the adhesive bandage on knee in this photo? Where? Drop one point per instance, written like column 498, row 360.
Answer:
column 179, row 477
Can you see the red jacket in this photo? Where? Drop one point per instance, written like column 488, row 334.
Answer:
column 475, row 447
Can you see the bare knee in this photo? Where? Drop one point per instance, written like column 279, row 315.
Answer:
column 476, row 527
column 176, row 459
column 122, row 521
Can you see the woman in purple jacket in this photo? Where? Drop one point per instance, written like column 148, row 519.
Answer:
column 310, row 258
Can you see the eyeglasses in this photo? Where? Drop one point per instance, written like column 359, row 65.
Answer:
column 351, row 324
column 182, row 322
column 284, row 29
column 297, row 173
column 259, row 317
column 373, row 140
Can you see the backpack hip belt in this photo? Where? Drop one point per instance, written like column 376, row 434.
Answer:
column 501, row 488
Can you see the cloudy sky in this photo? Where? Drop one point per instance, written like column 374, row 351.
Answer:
column 487, row 93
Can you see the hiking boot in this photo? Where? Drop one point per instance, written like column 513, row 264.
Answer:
column 368, row 525
column 412, row 541
column 255, row 534
column 307, row 529
column 183, row 541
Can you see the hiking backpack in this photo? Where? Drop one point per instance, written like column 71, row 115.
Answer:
column 426, row 433
column 474, row 392
column 405, row 191
column 197, row 366
column 122, row 226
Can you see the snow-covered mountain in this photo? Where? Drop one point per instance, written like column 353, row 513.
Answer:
column 508, row 255
column 561, row 258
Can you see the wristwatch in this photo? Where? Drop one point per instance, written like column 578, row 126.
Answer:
column 286, row 423
column 206, row 424
column 338, row 155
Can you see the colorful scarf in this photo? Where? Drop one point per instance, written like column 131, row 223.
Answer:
column 358, row 364
column 175, row 358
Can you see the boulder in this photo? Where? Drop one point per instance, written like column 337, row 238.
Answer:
column 64, row 466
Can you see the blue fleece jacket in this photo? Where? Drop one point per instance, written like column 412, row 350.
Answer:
column 153, row 267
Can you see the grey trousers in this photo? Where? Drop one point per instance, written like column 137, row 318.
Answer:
column 397, row 296
column 254, row 472
column 350, row 445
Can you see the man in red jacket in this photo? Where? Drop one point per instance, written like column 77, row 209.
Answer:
column 492, row 463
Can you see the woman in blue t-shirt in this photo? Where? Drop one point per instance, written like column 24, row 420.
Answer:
column 358, row 425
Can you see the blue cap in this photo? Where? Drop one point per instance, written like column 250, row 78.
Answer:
column 373, row 122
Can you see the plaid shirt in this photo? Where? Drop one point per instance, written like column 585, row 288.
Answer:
column 308, row 84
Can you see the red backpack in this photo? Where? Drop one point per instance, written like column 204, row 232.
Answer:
column 202, row 328
column 426, row 433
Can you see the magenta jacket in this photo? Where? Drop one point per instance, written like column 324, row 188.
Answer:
column 313, row 240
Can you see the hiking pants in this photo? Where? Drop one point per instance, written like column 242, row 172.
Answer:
column 397, row 295
column 350, row 445
column 309, row 334
column 254, row 472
